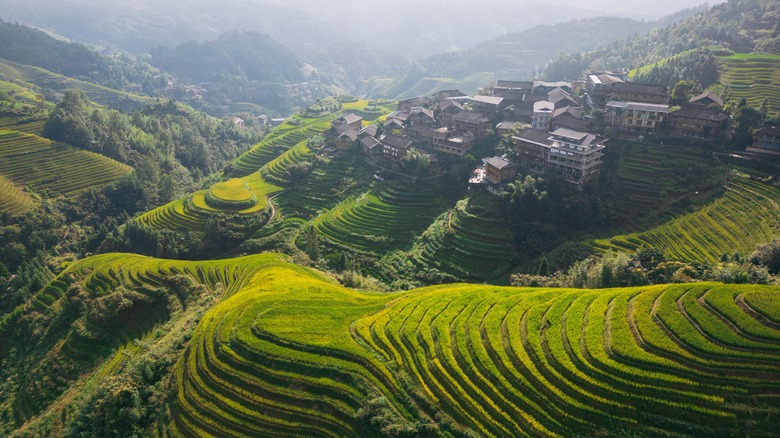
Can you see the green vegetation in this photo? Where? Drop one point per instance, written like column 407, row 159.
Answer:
column 43, row 165
column 742, row 26
column 11, row 71
column 746, row 216
column 665, row 179
column 472, row 242
column 754, row 77
column 13, row 199
column 285, row 350
column 386, row 218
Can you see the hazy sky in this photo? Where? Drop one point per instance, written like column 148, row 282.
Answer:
column 411, row 28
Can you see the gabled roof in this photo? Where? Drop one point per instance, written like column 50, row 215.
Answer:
column 490, row 100
column 515, row 85
column 572, row 111
column 708, row 95
column 634, row 87
column 400, row 115
column 558, row 95
column 349, row 118
column 544, row 106
column 446, row 94
column 559, row 84
column 604, row 79
column 701, row 113
column 416, row 101
column 538, row 136
column 370, row 129
column 393, row 121
column 342, row 128
column 448, row 103
column 423, row 111
column 369, row 142
column 471, row 117
column 575, row 124
column 581, row 138
column 396, row 141
column 498, row 162
column 352, row 135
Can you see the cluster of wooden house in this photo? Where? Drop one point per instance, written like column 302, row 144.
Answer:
column 551, row 132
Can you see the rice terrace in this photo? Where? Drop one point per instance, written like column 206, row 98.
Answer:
column 454, row 219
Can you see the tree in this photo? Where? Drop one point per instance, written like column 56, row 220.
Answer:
column 768, row 255
column 415, row 162
column 683, row 91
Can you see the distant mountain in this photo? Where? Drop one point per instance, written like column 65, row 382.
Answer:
column 250, row 56
column 33, row 47
column 739, row 25
column 519, row 55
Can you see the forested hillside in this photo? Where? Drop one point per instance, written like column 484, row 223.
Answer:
column 738, row 25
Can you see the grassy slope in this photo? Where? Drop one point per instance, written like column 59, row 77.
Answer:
column 754, row 76
column 272, row 157
column 12, row 71
column 288, row 352
column 746, row 216
column 44, row 165
column 12, row 198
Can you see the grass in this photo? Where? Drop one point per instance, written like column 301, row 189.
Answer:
column 43, row 165
column 233, row 190
column 286, row 351
column 746, row 216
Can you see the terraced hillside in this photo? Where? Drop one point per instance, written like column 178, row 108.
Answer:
column 657, row 176
column 290, row 133
column 329, row 181
column 753, row 76
column 193, row 212
column 288, row 352
column 44, row 165
column 12, row 198
column 472, row 242
column 388, row 217
column 12, row 71
column 746, row 216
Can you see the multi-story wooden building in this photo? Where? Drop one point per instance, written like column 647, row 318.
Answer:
column 643, row 118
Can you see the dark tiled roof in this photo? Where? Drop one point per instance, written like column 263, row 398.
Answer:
column 708, row 95
column 498, row 162
column 396, row 141
column 633, row 87
column 446, row 94
column 369, row 130
column 369, row 142
column 471, row 117
column 351, row 118
column 534, row 135
column 701, row 113
column 351, row 135
column 522, row 85
column 490, row 100
column 769, row 130
column 572, row 123
column 582, row 138
column 572, row 111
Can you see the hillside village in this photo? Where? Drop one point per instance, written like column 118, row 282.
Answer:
column 555, row 127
